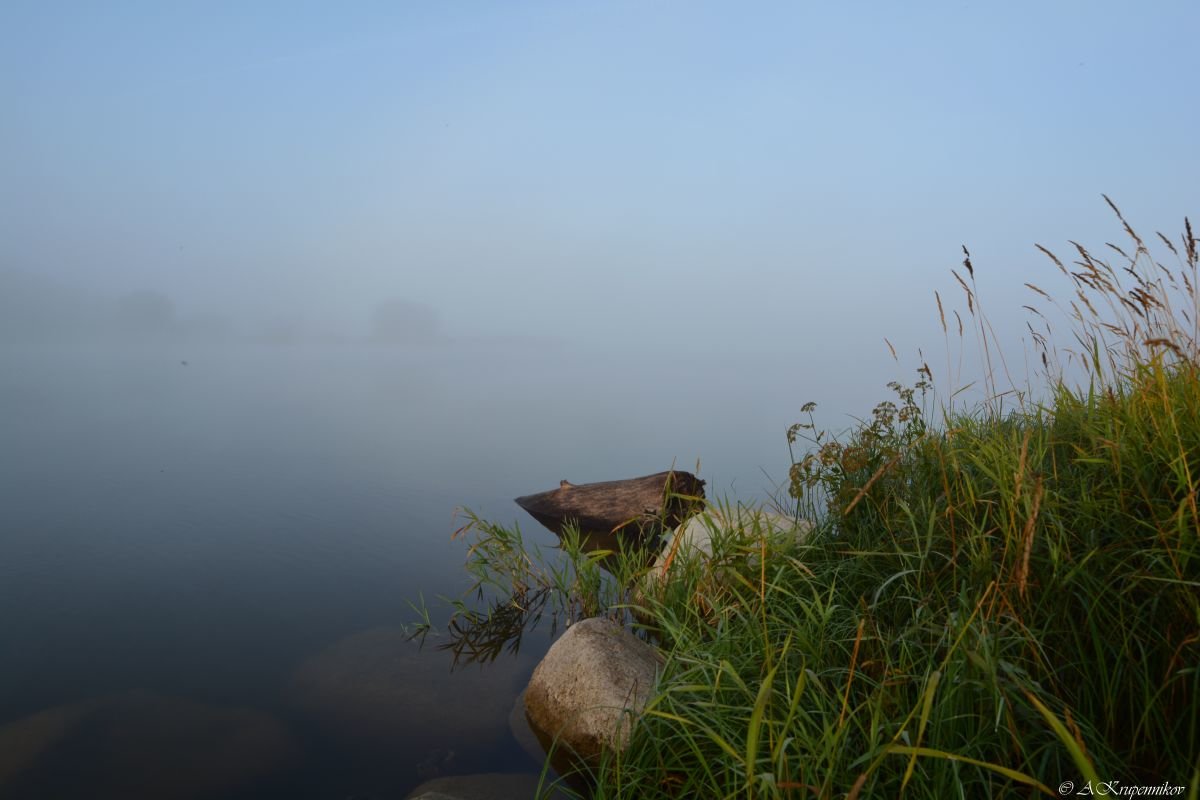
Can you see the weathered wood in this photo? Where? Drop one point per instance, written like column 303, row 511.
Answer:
column 635, row 509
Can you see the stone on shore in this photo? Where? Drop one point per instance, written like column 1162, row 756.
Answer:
column 696, row 538
column 586, row 693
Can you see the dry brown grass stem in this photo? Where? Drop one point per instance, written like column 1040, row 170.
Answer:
column 1027, row 535
column 1151, row 307
column 853, row 665
column 965, row 288
column 1053, row 258
column 1019, row 474
column 866, row 487
column 1132, row 235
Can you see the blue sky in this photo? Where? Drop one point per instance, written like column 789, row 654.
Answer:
column 781, row 177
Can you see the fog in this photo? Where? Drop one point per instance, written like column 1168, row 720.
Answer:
column 785, row 185
column 285, row 285
column 35, row 309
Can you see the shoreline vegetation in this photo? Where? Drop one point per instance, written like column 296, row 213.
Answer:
column 992, row 602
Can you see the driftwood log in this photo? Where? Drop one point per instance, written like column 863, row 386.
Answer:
column 635, row 510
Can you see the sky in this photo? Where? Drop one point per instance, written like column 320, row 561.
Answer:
column 782, row 178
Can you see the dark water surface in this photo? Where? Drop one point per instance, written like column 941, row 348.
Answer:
column 204, row 567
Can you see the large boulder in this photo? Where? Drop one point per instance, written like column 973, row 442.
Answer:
column 592, row 684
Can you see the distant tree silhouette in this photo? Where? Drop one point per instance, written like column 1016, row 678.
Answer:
column 36, row 308
column 145, row 314
column 400, row 321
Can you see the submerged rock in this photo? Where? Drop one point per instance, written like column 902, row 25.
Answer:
column 139, row 744
column 23, row 741
column 518, row 726
column 586, row 692
column 486, row 786
column 437, row 761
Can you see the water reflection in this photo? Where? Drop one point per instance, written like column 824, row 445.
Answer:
column 479, row 637
column 607, row 533
column 379, row 687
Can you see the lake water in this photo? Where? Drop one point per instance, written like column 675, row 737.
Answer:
column 204, row 566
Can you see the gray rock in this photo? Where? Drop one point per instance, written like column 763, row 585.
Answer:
column 593, row 682
column 694, row 540
column 485, row 786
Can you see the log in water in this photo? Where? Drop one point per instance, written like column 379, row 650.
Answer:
column 635, row 509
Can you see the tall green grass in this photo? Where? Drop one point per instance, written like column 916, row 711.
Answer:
column 994, row 600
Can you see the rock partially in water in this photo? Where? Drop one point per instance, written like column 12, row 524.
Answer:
column 485, row 786
column 376, row 689
column 588, row 689
column 140, row 744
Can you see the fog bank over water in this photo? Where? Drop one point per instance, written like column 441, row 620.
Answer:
column 792, row 181
column 580, row 401
column 471, row 250
column 713, row 395
column 35, row 308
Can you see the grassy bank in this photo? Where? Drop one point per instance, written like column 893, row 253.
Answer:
column 994, row 600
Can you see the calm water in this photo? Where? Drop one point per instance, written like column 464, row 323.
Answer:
column 203, row 566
